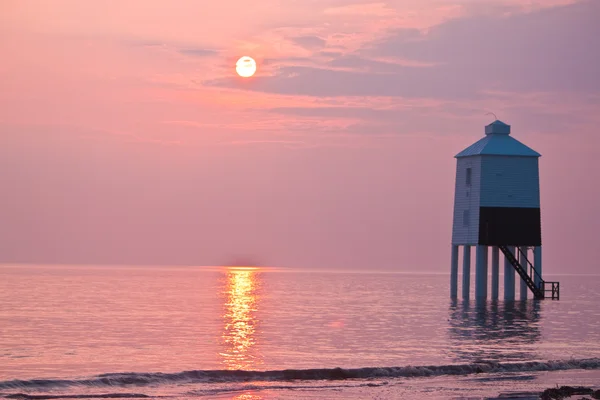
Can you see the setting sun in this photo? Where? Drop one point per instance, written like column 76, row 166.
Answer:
column 245, row 67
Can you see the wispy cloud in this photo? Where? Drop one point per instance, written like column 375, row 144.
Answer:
column 198, row 52
column 309, row 42
column 364, row 9
column 458, row 59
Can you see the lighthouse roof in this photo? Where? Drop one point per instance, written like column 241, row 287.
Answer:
column 498, row 142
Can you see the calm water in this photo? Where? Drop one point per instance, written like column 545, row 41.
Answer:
column 183, row 332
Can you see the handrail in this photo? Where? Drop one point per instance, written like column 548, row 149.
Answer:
column 554, row 289
column 538, row 292
column 531, row 267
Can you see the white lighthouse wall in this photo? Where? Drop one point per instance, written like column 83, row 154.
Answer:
column 509, row 181
column 465, row 229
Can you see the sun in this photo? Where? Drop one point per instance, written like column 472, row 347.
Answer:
column 245, row 67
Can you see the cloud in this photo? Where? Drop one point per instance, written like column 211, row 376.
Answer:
column 198, row 52
column 309, row 42
column 313, row 81
column 443, row 118
column 368, row 9
column 547, row 50
column 330, row 54
column 289, row 60
column 390, row 66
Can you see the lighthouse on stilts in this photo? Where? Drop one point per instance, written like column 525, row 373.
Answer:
column 497, row 210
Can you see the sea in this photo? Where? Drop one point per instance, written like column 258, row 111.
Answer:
column 274, row 333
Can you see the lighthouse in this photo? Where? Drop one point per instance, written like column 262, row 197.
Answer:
column 497, row 211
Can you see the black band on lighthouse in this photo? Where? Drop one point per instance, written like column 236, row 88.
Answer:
column 508, row 226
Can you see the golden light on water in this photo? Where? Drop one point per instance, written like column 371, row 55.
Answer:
column 240, row 319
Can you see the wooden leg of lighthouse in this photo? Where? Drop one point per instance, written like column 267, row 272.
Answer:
column 509, row 278
column 495, row 272
column 537, row 264
column 454, row 273
column 466, row 283
column 481, row 272
column 523, row 285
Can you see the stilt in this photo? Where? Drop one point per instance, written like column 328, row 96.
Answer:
column 537, row 264
column 454, row 273
column 466, row 283
column 509, row 278
column 523, row 285
column 481, row 272
column 495, row 272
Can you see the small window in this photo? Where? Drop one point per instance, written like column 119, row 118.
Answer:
column 466, row 218
column 469, row 173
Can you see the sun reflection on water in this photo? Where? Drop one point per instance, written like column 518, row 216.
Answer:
column 239, row 337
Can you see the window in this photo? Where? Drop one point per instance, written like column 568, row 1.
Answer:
column 469, row 173
column 466, row 218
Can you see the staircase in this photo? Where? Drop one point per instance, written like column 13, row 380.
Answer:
column 528, row 273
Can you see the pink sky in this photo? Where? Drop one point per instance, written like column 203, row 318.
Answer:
column 127, row 138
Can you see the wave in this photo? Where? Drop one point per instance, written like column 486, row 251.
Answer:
column 220, row 376
column 212, row 391
column 23, row 396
